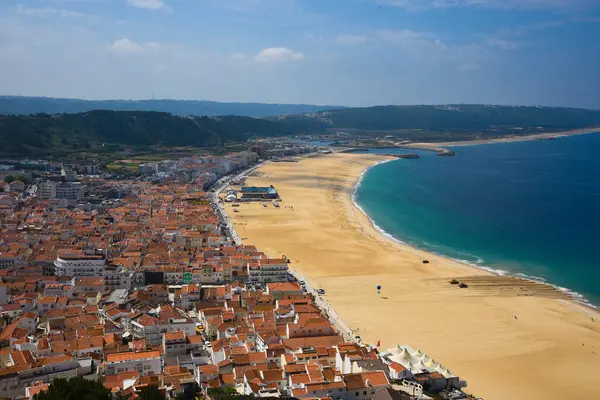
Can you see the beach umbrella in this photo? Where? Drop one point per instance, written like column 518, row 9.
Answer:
column 378, row 289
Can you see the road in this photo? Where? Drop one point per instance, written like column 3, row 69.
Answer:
column 221, row 185
column 322, row 304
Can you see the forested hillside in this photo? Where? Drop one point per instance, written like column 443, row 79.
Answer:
column 43, row 133
column 23, row 136
column 469, row 118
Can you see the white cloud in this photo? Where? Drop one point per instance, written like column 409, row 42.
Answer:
column 128, row 46
column 47, row 12
column 422, row 5
column 278, row 54
column 149, row 4
column 502, row 43
column 426, row 48
column 407, row 37
column 255, row 6
column 469, row 66
column 36, row 12
column 350, row 39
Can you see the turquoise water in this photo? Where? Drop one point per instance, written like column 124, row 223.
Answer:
column 530, row 208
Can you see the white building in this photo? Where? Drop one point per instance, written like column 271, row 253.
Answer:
column 84, row 167
column 146, row 363
column 268, row 270
column 73, row 192
column 47, row 190
column 148, row 168
column 15, row 186
column 69, row 174
column 174, row 343
column 152, row 328
column 11, row 259
column 79, row 264
column 45, row 369
column 117, row 277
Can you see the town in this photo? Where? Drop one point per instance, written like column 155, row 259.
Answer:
column 144, row 282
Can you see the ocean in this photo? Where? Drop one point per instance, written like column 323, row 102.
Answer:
column 530, row 209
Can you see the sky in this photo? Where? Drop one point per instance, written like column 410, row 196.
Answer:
column 327, row 52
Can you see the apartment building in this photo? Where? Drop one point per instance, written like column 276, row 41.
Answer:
column 145, row 362
column 79, row 264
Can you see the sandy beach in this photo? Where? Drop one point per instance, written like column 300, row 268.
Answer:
column 546, row 353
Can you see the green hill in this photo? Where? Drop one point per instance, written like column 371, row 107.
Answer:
column 42, row 134
column 51, row 134
column 455, row 117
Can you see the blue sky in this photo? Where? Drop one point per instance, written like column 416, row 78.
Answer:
column 343, row 52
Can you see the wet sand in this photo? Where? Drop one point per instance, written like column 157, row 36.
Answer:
column 544, row 354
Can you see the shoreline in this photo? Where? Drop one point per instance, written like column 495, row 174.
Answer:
column 335, row 246
column 576, row 297
column 510, row 139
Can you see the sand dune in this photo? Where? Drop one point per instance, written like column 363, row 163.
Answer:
column 546, row 353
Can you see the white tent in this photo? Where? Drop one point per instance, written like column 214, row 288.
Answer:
column 417, row 354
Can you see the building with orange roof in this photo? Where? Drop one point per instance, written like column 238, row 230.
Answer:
column 35, row 388
column 309, row 326
column 46, row 304
column 121, row 381
column 146, row 363
column 363, row 385
column 295, row 344
column 22, row 370
column 280, row 289
column 269, row 343
column 174, row 343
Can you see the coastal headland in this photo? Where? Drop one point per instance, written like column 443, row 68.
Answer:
column 509, row 338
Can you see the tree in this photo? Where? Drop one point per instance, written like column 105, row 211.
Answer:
column 75, row 389
column 9, row 178
column 151, row 393
column 23, row 179
column 230, row 391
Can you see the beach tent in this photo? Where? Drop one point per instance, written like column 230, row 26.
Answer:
column 417, row 354
column 405, row 356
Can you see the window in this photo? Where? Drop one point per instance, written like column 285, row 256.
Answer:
column 365, row 393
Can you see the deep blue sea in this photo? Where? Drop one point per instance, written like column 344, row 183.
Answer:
column 530, row 208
